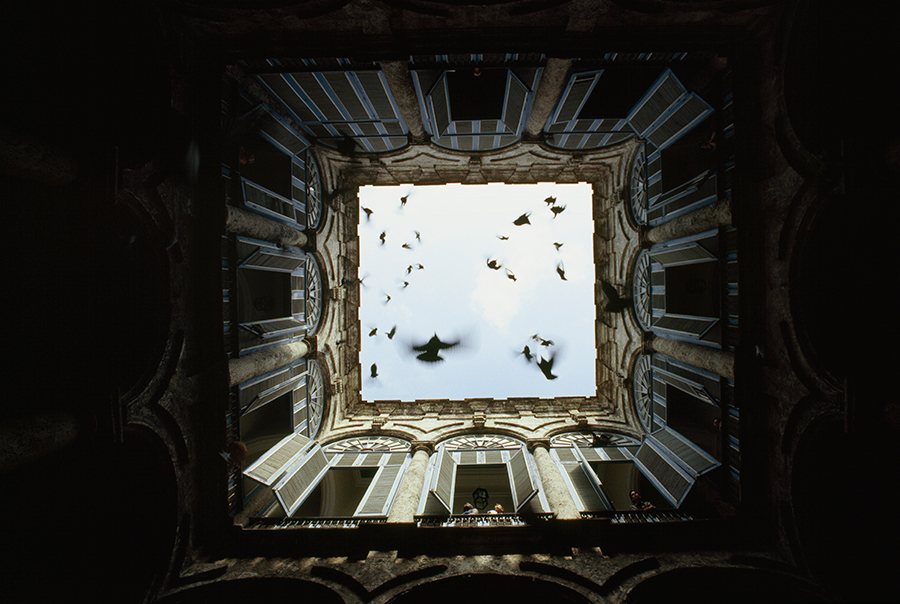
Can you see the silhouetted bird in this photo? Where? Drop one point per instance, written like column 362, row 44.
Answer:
column 550, row 201
column 388, row 299
column 367, row 211
column 546, row 367
column 510, row 275
column 601, row 440
column 418, row 236
column 546, row 342
column 391, row 333
column 561, row 271
column 502, row 237
column 493, row 264
column 409, row 269
column 557, row 245
column 406, row 246
column 420, row 266
column 429, row 351
column 523, row 219
column 382, row 236
column 405, row 284
column 345, row 282
column 403, row 200
column 374, row 370
column 557, row 210
column 614, row 303
column 372, row 333
column 527, row 352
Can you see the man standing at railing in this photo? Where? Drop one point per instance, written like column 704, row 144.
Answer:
column 638, row 504
column 469, row 509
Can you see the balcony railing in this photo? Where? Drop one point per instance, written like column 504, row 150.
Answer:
column 480, row 520
column 642, row 517
column 314, row 523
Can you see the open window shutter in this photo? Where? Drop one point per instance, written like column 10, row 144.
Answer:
column 269, row 468
column 272, row 393
column 516, row 94
column 664, row 93
column 440, row 104
column 274, row 328
column 691, row 111
column 693, row 457
column 300, row 479
column 380, row 495
column 669, row 479
column 443, row 479
column 523, row 483
column 593, row 479
column 272, row 259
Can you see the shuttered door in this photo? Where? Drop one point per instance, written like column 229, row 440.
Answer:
column 440, row 105
column 300, row 479
column 692, row 456
column 666, row 476
column 516, row 93
column 269, row 468
column 273, row 260
column 444, row 479
column 593, row 479
column 691, row 112
column 662, row 95
column 523, row 483
column 380, row 494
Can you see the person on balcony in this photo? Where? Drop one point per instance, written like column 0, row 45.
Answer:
column 638, row 504
column 469, row 509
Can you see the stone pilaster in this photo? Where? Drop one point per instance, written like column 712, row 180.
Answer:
column 250, row 224
column 720, row 362
column 257, row 363
column 708, row 217
column 552, row 481
column 407, row 500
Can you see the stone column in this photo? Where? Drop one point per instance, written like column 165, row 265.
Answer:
column 257, row 363
column 35, row 160
column 549, row 87
column 30, row 438
column 552, row 481
column 250, row 224
column 400, row 82
column 720, row 362
column 407, row 500
column 708, row 217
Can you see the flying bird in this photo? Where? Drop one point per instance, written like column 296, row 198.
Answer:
column 382, row 236
column 406, row 246
column 614, row 302
column 388, row 299
column 405, row 285
column 541, row 340
column 420, row 267
column 550, row 201
column 523, row 219
column 409, row 269
column 546, row 368
column 561, row 271
column 527, row 352
column 510, row 275
column 391, row 333
column 418, row 236
column 372, row 333
column 557, row 210
column 429, row 351
column 368, row 212
column 558, row 245
column 502, row 237
column 403, row 200
column 494, row 265
column 374, row 370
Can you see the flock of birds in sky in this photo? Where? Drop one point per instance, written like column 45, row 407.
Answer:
column 544, row 353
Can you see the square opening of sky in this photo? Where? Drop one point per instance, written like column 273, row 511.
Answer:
column 425, row 271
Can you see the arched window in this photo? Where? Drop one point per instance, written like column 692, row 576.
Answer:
column 356, row 477
column 499, row 464
column 599, row 470
column 678, row 289
column 679, row 407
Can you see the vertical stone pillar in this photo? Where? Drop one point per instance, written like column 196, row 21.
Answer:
column 400, row 82
column 28, row 439
column 250, row 224
column 257, row 363
column 708, row 217
column 549, row 87
column 407, row 500
column 720, row 362
column 552, row 481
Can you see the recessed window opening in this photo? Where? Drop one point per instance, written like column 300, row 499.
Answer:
column 266, row 295
column 338, row 494
column 493, row 478
column 693, row 289
column 266, row 166
column 476, row 97
column 491, row 269
column 696, row 420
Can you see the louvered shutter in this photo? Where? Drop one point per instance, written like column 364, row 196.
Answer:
column 593, row 479
column 668, row 478
column 524, row 486
column 575, row 96
column 381, row 492
column 693, row 457
column 272, row 464
column 684, row 254
column 664, row 93
column 516, row 94
column 440, row 105
column 581, row 488
column 443, row 480
column 300, row 479
column 691, row 111
column 273, row 259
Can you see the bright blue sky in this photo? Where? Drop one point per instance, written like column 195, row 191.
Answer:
column 458, row 297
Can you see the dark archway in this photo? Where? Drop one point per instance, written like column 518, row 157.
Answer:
column 489, row 588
